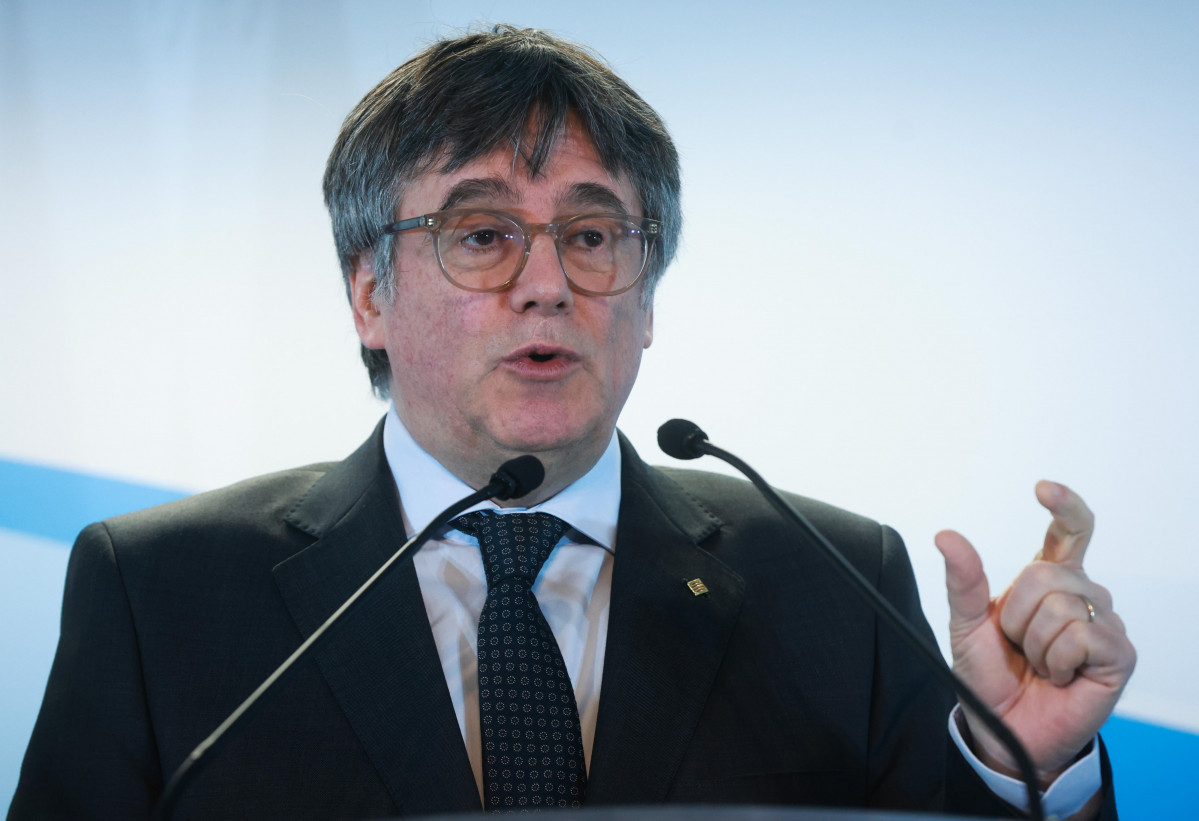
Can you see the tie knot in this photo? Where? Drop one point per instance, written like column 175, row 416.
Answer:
column 514, row 545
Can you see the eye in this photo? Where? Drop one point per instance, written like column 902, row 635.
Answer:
column 481, row 238
column 592, row 239
column 479, row 233
column 591, row 234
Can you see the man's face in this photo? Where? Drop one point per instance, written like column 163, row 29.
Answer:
column 481, row 377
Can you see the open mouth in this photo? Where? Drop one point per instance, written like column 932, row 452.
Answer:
column 542, row 360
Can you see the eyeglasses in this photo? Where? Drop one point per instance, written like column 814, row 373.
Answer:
column 601, row 254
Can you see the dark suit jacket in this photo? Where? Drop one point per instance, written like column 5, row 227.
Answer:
column 776, row 687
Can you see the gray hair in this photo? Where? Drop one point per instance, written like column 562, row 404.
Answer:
column 461, row 99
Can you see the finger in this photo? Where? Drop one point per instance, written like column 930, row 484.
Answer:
column 1070, row 532
column 1062, row 642
column 1058, row 613
column 1068, row 652
column 1100, row 652
column 965, row 581
column 1039, row 581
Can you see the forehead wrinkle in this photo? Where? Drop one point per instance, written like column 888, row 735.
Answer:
column 479, row 188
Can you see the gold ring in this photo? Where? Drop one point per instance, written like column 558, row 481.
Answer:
column 1090, row 608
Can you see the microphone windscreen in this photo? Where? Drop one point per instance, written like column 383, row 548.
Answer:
column 680, row 438
column 519, row 476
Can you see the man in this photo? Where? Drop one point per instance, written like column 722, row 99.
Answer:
column 702, row 652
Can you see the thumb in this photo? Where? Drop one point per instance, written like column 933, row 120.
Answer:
column 965, row 581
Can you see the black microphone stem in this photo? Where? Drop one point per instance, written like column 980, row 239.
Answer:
column 196, row 759
column 892, row 616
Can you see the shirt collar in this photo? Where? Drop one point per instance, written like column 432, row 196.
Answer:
column 590, row 505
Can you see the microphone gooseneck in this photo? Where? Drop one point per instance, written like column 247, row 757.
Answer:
column 515, row 478
column 684, row 440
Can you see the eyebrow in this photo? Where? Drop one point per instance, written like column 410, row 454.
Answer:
column 591, row 194
column 485, row 188
column 578, row 197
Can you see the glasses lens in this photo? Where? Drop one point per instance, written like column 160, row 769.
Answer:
column 603, row 253
column 480, row 250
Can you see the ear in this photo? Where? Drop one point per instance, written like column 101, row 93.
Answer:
column 649, row 327
column 367, row 318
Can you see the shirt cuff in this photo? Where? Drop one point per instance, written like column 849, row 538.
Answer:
column 1065, row 796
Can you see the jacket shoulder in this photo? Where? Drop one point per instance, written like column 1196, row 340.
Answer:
column 252, row 509
column 738, row 504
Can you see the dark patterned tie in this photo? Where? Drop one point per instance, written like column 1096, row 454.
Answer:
column 532, row 747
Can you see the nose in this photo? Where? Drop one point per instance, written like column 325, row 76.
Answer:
column 541, row 284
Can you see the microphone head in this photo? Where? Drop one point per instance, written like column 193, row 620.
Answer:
column 518, row 477
column 681, row 439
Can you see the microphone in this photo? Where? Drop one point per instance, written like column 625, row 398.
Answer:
column 683, row 439
column 515, row 478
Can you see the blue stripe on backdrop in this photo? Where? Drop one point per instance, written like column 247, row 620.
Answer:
column 1152, row 763
column 57, row 504
column 1152, row 767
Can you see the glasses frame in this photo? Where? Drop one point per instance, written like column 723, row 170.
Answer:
column 651, row 229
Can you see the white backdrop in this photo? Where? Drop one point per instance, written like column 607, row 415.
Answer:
column 934, row 251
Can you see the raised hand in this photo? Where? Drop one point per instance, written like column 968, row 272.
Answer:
column 1049, row 655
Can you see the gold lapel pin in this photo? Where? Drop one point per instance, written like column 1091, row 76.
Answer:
column 697, row 587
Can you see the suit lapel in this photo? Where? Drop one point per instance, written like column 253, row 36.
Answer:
column 665, row 643
column 664, row 647
column 381, row 663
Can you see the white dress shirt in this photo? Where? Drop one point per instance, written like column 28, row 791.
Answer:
column 573, row 590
